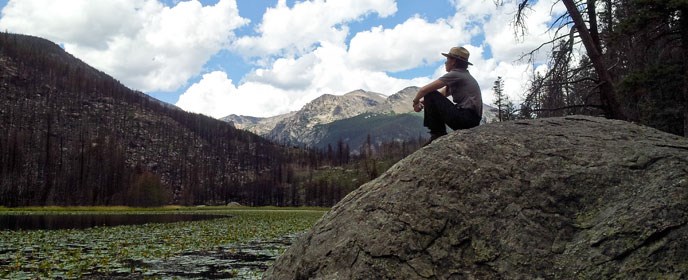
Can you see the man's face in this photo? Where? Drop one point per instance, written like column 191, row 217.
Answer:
column 448, row 64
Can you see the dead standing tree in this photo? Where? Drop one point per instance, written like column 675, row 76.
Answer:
column 590, row 39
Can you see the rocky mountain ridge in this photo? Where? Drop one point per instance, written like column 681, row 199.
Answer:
column 298, row 128
column 322, row 110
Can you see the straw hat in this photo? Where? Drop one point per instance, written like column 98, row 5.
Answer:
column 458, row 53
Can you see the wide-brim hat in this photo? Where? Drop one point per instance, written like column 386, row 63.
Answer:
column 459, row 53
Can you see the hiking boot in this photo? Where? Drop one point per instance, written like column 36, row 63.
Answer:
column 433, row 136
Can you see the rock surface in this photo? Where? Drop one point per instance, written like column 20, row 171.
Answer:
column 574, row 197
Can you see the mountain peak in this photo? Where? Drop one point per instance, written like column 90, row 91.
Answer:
column 322, row 110
column 366, row 94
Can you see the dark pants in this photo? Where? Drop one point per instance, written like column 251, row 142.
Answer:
column 439, row 111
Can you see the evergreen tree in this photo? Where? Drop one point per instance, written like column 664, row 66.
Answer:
column 499, row 97
column 505, row 108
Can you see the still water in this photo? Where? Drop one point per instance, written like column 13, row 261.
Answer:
column 80, row 221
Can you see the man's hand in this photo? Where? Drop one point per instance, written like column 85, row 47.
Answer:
column 417, row 105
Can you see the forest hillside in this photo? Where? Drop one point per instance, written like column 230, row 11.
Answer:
column 76, row 136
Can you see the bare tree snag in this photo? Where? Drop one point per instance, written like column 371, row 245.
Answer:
column 611, row 106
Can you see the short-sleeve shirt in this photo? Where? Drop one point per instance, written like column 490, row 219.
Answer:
column 464, row 89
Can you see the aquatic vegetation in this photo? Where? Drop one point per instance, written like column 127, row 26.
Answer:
column 141, row 250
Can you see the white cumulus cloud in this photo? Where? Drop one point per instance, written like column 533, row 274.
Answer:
column 215, row 95
column 295, row 53
column 500, row 32
column 143, row 43
column 312, row 58
column 408, row 45
column 267, row 92
column 298, row 29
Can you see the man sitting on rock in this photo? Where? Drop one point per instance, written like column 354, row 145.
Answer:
column 467, row 109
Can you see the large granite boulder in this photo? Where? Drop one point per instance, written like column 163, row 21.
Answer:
column 560, row 198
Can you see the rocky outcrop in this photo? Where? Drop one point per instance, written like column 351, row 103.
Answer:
column 561, row 198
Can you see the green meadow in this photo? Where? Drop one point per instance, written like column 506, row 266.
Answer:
column 240, row 243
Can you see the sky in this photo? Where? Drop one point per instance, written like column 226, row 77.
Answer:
column 263, row 58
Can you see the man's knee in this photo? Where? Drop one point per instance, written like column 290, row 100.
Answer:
column 432, row 95
column 465, row 119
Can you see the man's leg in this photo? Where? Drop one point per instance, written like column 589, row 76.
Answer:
column 463, row 119
column 438, row 111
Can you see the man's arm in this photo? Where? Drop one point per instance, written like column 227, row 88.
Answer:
column 435, row 85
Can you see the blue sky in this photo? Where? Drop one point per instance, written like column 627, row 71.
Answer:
column 263, row 58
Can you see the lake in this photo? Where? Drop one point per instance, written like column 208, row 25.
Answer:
column 223, row 243
column 81, row 221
